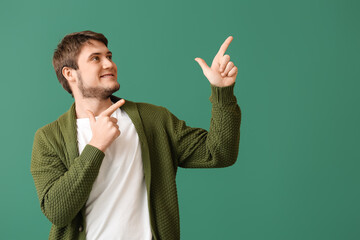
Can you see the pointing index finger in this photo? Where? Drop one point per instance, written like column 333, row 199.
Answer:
column 224, row 46
column 113, row 108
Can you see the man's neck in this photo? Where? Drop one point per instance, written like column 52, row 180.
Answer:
column 97, row 106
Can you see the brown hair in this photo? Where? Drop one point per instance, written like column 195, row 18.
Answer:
column 67, row 52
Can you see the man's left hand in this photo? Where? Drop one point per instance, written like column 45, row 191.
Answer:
column 222, row 72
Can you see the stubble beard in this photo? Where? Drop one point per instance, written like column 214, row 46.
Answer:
column 96, row 92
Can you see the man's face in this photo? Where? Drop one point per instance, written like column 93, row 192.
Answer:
column 97, row 73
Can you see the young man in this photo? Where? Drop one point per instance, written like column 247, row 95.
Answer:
column 106, row 168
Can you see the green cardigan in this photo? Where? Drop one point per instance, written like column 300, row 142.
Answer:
column 63, row 178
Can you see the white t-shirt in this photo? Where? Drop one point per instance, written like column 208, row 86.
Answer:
column 117, row 207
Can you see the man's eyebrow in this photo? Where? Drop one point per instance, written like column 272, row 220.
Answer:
column 109, row 52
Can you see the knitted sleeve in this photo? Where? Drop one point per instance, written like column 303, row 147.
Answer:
column 62, row 192
column 218, row 147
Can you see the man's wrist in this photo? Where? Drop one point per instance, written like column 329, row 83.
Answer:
column 92, row 154
column 96, row 145
column 222, row 95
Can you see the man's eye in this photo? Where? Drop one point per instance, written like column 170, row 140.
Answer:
column 95, row 58
column 109, row 57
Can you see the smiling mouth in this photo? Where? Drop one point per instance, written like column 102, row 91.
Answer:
column 107, row 75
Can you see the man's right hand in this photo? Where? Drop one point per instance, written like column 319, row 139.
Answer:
column 105, row 129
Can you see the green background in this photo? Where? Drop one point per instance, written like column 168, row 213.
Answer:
column 297, row 174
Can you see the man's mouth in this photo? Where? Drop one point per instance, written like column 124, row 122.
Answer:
column 107, row 75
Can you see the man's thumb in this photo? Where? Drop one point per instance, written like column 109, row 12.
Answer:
column 91, row 117
column 202, row 64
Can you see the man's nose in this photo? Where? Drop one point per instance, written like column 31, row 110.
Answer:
column 107, row 63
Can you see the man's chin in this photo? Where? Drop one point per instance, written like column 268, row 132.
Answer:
column 108, row 92
column 116, row 87
column 99, row 93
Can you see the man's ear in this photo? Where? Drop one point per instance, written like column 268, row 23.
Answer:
column 69, row 74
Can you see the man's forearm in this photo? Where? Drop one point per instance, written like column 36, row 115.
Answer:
column 225, row 125
column 63, row 192
column 218, row 147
